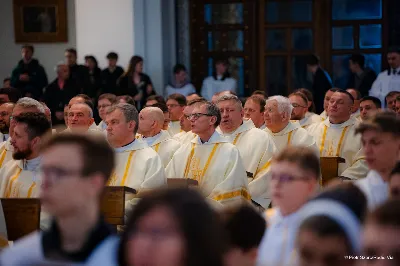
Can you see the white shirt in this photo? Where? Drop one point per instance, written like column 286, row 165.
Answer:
column 212, row 86
column 384, row 84
column 185, row 90
column 375, row 189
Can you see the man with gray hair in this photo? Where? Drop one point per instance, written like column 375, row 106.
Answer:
column 137, row 165
column 278, row 110
column 23, row 105
column 256, row 147
column 151, row 121
column 80, row 118
column 210, row 159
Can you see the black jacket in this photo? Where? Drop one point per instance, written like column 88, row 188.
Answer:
column 37, row 78
column 365, row 81
column 321, row 84
column 127, row 87
column 56, row 99
column 110, row 80
column 80, row 74
column 94, row 86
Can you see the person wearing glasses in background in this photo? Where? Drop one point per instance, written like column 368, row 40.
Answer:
column 5, row 114
column 300, row 108
column 176, row 103
column 104, row 102
column 211, row 159
column 295, row 173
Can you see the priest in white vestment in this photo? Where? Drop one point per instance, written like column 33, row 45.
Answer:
column 357, row 100
column 5, row 114
column 82, row 98
column 176, row 103
column 369, row 105
column 151, row 120
column 335, row 137
column 256, row 147
column 24, row 105
column 254, row 108
column 80, row 119
column 380, row 137
column 104, row 102
column 327, row 98
column 211, row 160
column 19, row 178
column 278, row 110
column 137, row 165
column 300, row 109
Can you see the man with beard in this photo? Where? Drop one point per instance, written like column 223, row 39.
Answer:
column 5, row 113
column 19, row 177
column 300, row 107
column 24, row 105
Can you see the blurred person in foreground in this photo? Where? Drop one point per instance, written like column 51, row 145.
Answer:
column 73, row 167
column 394, row 182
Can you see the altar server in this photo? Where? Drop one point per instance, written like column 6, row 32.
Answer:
column 151, row 120
column 256, row 147
column 335, row 136
column 211, row 159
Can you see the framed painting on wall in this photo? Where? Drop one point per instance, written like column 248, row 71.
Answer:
column 40, row 21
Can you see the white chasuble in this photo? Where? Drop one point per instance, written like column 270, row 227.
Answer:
column 323, row 115
column 292, row 134
column 139, row 167
column 165, row 146
column 216, row 165
column 6, row 150
column 20, row 179
column 308, row 120
column 338, row 140
column 256, row 148
column 185, row 137
column 174, row 128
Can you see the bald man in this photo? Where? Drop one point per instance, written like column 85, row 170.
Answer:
column 357, row 100
column 5, row 113
column 151, row 121
column 80, row 118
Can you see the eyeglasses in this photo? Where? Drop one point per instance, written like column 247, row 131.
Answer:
column 56, row 173
column 287, row 178
column 295, row 105
column 196, row 116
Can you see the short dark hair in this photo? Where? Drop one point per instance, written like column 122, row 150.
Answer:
column 332, row 90
column 312, row 60
column 112, row 55
column 162, row 106
column 181, row 99
column 127, row 98
column 87, row 100
column 304, row 157
column 358, row 93
column 204, row 243
column 109, row 96
column 13, row 94
column 301, row 95
column 198, row 100
column 259, row 100
column 97, row 155
column 392, row 93
column 388, row 214
column 37, row 124
column 72, row 51
column 6, row 79
column 396, row 170
column 157, row 98
column 394, row 49
column 245, row 227
column 178, row 68
column 28, row 46
column 310, row 98
column 373, row 99
column 358, row 59
column 212, row 109
column 347, row 93
column 260, row 93
column 385, row 121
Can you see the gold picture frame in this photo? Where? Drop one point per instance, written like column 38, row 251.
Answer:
column 40, row 21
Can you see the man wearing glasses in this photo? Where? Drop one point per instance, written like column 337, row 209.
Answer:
column 74, row 170
column 294, row 179
column 176, row 103
column 104, row 102
column 211, row 159
column 23, row 105
column 300, row 108
column 278, row 110
column 5, row 114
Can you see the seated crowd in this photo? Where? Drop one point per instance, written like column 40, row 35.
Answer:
column 260, row 196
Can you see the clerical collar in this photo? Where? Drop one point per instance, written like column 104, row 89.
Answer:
column 125, row 147
column 151, row 140
column 52, row 249
column 32, row 164
column 213, row 137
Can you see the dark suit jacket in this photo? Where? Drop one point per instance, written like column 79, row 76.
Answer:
column 367, row 78
column 322, row 83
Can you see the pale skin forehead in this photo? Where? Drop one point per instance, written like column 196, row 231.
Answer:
column 296, row 98
column 271, row 103
column 152, row 113
column 76, row 100
column 77, row 108
column 341, row 96
column 230, row 103
column 353, row 93
column 7, row 106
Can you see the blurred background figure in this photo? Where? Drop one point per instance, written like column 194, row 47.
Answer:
column 394, row 182
column 7, row 82
column 192, row 96
column 111, row 74
column 180, row 83
column 390, row 100
column 104, row 103
column 362, row 77
column 163, row 223
column 254, row 108
column 153, row 99
column 369, row 105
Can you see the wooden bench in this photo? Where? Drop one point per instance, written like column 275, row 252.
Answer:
column 113, row 204
column 22, row 217
column 181, row 183
column 330, row 168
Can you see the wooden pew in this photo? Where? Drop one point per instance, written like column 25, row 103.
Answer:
column 113, row 204
column 22, row 217
column 330, row 168
column 181, row 182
